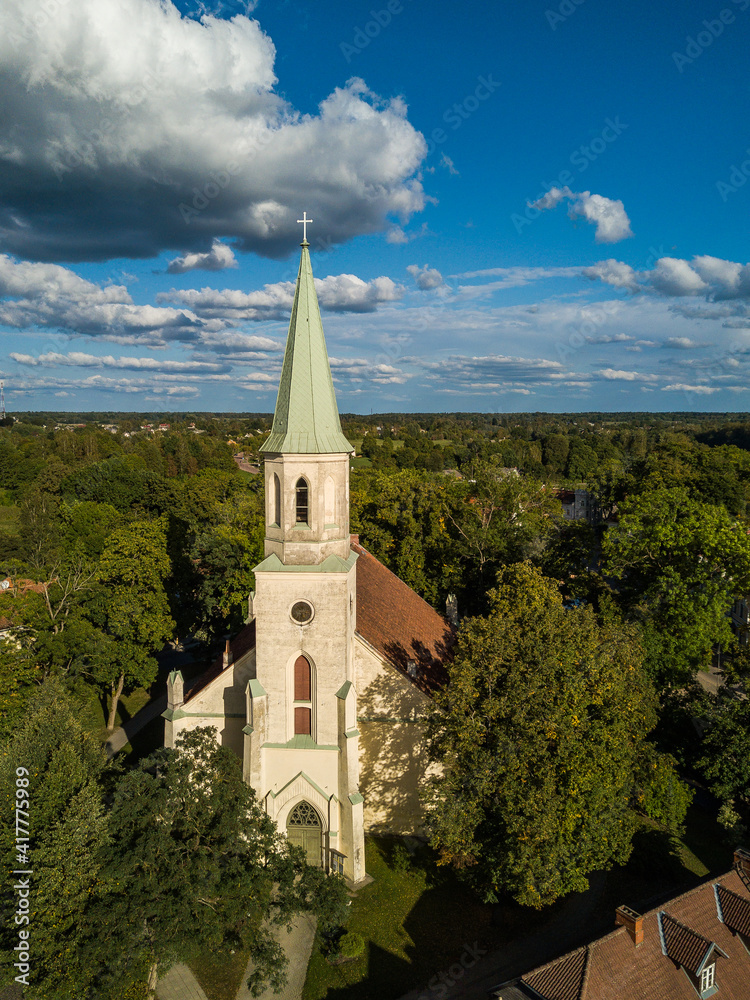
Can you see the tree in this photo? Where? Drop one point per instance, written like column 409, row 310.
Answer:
column 63, row 770
column 496, row 519
column 538, row 732
column 194, row 863
column 133, row 568
column 681, row 564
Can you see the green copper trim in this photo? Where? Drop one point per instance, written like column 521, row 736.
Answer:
column 332, row 564
column 343, row 691
column 248, row 730
column 172, row 714
column 300, row 743
column 351, row 733
column 355, row 798
column 255, row 688
column 306, row 419
column 301, row 774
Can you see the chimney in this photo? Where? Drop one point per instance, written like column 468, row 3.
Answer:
column 227, row 655
column 742, row 860
column 632, row 922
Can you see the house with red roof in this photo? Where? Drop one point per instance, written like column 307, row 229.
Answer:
column 322, row 695
column 695, row 945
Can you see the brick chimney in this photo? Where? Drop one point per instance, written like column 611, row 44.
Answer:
column 632, row 922
column 742, row 860
column 227, row 658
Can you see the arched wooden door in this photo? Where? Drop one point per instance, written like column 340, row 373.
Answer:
column 304, row 829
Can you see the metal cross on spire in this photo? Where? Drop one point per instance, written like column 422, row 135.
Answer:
column 304, row 220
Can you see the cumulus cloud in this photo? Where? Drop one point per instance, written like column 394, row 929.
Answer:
column 336, row 293
column 219, row 257
column 132, row 111
column 425, row 277
column 47, row 296
column 614, row 273
column 724, row 284
column 609, row 216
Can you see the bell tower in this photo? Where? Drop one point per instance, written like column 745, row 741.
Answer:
column 301, row 739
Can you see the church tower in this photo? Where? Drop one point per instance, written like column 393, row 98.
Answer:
column 301, row 738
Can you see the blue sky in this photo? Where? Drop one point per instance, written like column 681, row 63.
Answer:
column 534, row 206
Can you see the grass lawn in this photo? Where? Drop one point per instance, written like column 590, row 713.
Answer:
column 410, row 918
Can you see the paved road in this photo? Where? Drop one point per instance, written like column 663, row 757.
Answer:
column 179, row 984
column 297, row 944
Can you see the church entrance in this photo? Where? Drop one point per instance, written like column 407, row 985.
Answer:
column 304, row 829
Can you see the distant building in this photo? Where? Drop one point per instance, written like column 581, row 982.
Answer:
column 580, row 505
column 697, row 944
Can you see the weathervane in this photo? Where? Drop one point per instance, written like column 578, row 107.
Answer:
column 304, row 220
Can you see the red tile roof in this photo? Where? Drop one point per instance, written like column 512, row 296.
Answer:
column 682, row 945
column 617, row 970
column 391, row 618
column 242, row 643
column 735, row 910
column 399, row 625
column 561, row 980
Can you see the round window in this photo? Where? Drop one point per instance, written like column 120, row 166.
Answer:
column 302, row 612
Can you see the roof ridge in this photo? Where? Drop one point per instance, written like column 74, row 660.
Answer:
column 555, row 961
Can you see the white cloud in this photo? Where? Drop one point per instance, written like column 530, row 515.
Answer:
column 617, row 375
column 672, row 276
column 425, row 277
column 450, row 166
column 613, row 272
column 219, row 257
column 336, row 293
column 132, row 111
column 609, row 216
column 48, row 296
column 78, row 359
column 700, row 390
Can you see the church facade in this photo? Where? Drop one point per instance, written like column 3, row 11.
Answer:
column 322, row 693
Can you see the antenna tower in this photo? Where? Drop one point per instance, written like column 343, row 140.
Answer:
column 2, row 401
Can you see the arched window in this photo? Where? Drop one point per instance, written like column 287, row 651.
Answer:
column 330, row 501
column 275, row 499
column 302, row 697
column 302, row 501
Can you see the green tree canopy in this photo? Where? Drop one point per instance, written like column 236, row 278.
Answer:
column 681, row 564
column 537, row 733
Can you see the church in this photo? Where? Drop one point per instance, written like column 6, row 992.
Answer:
column 323, row 692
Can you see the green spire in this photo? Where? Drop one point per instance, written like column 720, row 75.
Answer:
column 306, row 420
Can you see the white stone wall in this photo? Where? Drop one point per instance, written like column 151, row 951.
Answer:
column 392, row 758
column 327, row 477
